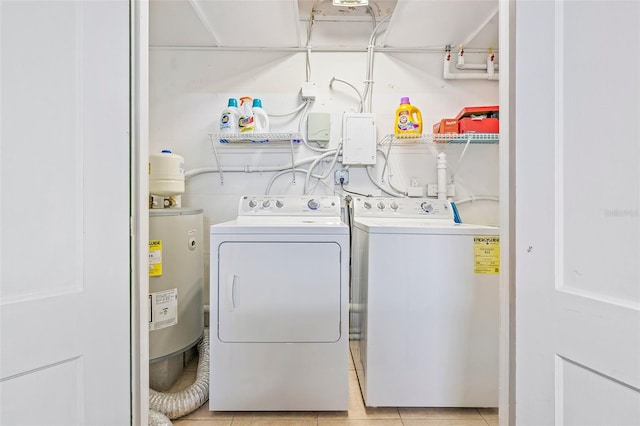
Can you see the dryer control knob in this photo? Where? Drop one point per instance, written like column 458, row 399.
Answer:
column 367, row 205
column 381, row 205
column 313, row 204
column 394, row 205
column 266, row 203
column 279, row 204
column 426, row 207
column 253, row 203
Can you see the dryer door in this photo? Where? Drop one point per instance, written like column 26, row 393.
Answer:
column 279, row 292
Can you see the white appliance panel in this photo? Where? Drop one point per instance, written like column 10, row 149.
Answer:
column 448, row 354
column 280, row 377
column 279, row 292
column 426, row 323
column 282, row 327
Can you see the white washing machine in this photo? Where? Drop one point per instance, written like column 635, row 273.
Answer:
column 425, row 305
column 279, row 306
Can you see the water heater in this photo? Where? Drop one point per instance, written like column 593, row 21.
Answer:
column 176, row 271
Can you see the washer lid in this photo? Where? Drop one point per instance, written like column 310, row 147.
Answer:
column 421, row 226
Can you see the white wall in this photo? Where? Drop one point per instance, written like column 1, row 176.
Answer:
column 189, row 89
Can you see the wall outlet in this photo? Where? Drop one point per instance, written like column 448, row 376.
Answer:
column 415, row 191
column 342, row 174
column 432, row 190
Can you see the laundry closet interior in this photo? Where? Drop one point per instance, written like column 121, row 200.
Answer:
column 324, row 246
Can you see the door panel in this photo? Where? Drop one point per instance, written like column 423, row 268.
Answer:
column 41, row 146
column 577, row 221
column 55, row 390
column 279, row 292
column 64, row 259
column 578, row 386
column 598, row 171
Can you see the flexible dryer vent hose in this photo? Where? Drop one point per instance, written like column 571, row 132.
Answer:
column 178, row 404
column 158, row 419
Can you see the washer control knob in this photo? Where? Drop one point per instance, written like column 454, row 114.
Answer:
column 266, row 203
column 367, row 205
column 279, row 204
column 394, row 205
column 427, row 207
column 313, row 204
column 252, row 203
column 381, row 205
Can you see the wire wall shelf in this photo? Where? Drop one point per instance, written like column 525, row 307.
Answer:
column 256, row 140
column 463, row 138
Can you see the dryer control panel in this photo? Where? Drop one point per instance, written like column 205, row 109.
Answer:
column 403, row 208
column 290, row 205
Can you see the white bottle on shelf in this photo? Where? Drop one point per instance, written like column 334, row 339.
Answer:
column 261, row 119
column 229, row 117
column 246, row 123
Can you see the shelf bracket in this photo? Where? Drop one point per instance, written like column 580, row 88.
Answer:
column 215, row 154
column 293, row 164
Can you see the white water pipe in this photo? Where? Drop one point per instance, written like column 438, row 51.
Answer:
column 462, row 66
column 491, row 73
column 248, row 169
column 442, row 176
column 473, row 198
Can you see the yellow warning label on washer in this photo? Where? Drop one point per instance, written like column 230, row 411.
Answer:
column 486, row 254
column 155, row 258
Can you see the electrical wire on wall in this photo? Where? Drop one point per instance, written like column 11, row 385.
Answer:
column 361, row 105
column 373, row 180
column 353, row 192
column 286, row 114
column 368, row 83
column 335, row 154
column 308, row 45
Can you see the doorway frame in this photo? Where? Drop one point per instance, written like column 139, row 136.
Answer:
column 139, row 32
column 139, row 213
column 506, row 164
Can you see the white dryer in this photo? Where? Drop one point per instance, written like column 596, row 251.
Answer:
column 425, row 305
column 279, row 306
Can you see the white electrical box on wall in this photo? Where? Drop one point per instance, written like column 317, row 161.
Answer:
column 319, row 127
column 359, row 139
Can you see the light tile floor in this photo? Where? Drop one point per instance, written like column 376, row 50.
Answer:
column 357, row 415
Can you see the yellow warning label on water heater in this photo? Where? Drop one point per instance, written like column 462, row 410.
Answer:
column 486, row 254
column 155, row 258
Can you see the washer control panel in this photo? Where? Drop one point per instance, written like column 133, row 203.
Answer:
column 289, row 205
column 403, row 208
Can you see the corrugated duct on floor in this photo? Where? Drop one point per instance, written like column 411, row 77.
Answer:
column 163, row 407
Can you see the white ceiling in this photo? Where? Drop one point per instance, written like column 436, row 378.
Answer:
column 284, row 23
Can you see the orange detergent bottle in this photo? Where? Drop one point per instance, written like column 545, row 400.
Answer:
column 408, row 119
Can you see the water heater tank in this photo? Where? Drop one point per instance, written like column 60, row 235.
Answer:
column 176, row 284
